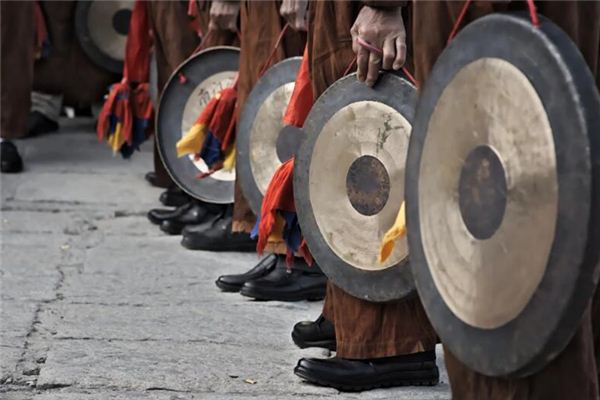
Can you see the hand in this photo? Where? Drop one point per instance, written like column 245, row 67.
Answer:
column 383, row 29
column 294, row 12
column 224, row 15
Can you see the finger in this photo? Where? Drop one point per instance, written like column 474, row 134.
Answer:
column 212, row 26
column 400, row 53
column 232, row 25
column 362, row 63
column 374, row 66
column 389, row 53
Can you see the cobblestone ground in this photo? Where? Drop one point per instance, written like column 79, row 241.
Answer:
column 96, row 303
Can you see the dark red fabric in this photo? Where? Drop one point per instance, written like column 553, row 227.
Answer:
column 41, row 30
column 137, row 49
column 222, row 122
column 302, row 97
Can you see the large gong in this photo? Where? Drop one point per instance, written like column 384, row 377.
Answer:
column 503, row 194
column 102, row 28
column 349, row 184
column 263, row 143
column 186, row 93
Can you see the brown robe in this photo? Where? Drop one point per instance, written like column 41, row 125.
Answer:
column 68, row 70
column 363, row 329
column 573, row 374
column 16, row 68
column 260, row 26
column 174, row 42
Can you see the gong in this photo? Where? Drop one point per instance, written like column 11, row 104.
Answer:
column 263, row 143
column 185, row 95
column 349, row 184
column 502, row 194
column 102, row 28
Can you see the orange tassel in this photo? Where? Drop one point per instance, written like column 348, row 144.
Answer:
column 302, row 97
column 279, row 196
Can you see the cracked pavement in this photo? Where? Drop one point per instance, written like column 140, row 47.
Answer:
column 97, row 303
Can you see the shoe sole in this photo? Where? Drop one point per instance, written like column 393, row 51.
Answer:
column 305, row 344
column 314, row 294
column 419, row 377
column 228, row 288
column 171, row 231
column 221, row 247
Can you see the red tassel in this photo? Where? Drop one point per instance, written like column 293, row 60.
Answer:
column 279, row 196
column 302, row 97
column 113, row 104
column 208, row 112
column 221, row 121
column 41, row 31
column 137, row 48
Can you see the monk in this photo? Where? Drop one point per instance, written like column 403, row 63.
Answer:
column 378, row 344
column 572, row 374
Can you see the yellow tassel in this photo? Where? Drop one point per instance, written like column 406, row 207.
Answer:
column 397, row 231
column 229, row 162
column 116, row 140
column 192, row 141
column 276, row 235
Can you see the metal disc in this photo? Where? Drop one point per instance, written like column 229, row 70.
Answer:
column 180, row 104
column 499, row 192
column 349, row 184
column 263, row 143
column 102, row 27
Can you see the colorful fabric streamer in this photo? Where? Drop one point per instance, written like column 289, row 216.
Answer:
column 126, row 118
column 278, row 219
column 212, row 137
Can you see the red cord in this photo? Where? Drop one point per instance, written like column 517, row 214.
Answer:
column 379, row 51
column 459, row 21
column 267, row 63
column 533, row 13
column 350, row 66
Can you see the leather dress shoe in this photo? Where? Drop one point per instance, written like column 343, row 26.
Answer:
column 216, row 235
column 158, row 215
column 299, row 283
column 10, row 159
column 155, row 181
column 39, row 124
column 174, row 197
column 417, row 369
column 197, row 213
column 319, row 333
column 233, row 283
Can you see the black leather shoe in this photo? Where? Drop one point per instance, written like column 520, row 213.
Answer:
column 39, row 124
column 299, row 283
column 174, row 197
column 217, row 236
column 197, row 213
column 158, row 215
column 417, row 369
column 319, row 333
column 233, row 283
column 10, row 159
column 153, row 180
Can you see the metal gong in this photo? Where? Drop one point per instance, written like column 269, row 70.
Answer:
column 349, row 184
column 102, row 27
column 502, row 175
column 187, row 92
column 263, row 143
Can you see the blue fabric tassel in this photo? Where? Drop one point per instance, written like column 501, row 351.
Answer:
column 211, row 150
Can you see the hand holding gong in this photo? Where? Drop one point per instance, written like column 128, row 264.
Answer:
column 294, row 12
column 379, row 41
column 224, row 15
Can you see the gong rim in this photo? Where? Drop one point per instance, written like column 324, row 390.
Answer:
column 396, row 281
column 526, row 343
column 169, row 118
column 84, row 36
column 274, row 78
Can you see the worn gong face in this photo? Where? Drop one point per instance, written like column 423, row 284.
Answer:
column 182, row 101
column 102, row 28
column 502, row 233
column 359, row 152
column 198, row 99
column 349, row 184
column 487, row 256
column 263, row 142
column 264, row 158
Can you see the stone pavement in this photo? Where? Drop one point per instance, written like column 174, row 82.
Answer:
column 96, row 303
